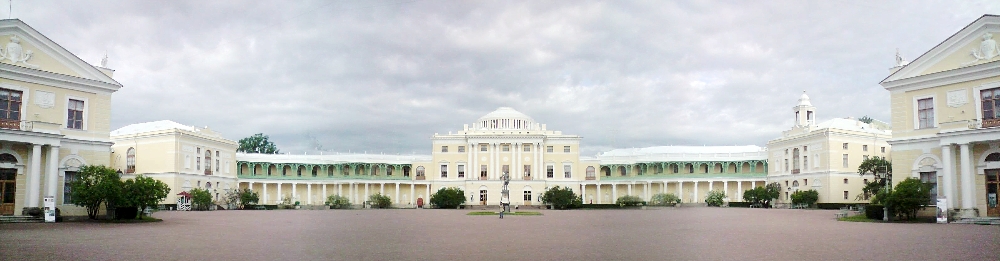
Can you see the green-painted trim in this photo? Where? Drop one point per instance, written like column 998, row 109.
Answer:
column 689, row 176
column 362, row 177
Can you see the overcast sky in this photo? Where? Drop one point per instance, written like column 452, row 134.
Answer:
column 383, row 76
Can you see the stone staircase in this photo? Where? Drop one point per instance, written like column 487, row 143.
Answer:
column 979, row 221
column 21, row 219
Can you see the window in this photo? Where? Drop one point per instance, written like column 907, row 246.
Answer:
column 845, row 145
column 845, row 195
column 567, row 171
column 483, row 146
column 461, row 170
column 805, row 182
column 549, row 171
column 786, row 151
column 883, row 149
column 208, row 163
column 527, row 170
column 925, row 113
column 527, row 195
column 506, row 147
column 444, row 148
column 482, row 171
column 130, row 161
column 795, row 161
column 444, row 171
column 864, row 147
column 845, row 181
column 786, row 183
column 69, row 177
column 406, row 171
column 930, row 180
column 197, row 165
column 990, row 107
column 566, row 149
column 805, row 148
column 864, row 157
column 590, row 172
column 786, row 165
column 805, row 162
column 548, row 148
column 527, row 147
column 505, row 169
column 461, row 148
column 10, row 106
column 420, row 171
column 845, row 160
column 74, row 115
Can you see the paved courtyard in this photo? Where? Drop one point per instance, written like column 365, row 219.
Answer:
column 662, row 234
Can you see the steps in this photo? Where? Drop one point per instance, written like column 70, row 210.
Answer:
column 21, row 219
column 979, row 221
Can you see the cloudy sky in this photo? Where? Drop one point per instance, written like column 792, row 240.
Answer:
column 383, row 76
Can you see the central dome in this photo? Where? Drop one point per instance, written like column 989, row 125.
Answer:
column 505, row 118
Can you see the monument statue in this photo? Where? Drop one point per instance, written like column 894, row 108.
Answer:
column 504, row 194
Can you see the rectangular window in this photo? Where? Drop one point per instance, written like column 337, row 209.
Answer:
column 505, row 169
column 864, row 157
column 549, row 171
column 845, row 145
column 805, row 182
column 845, row 161
column 10, row 108
column 444, row 171
column 864, row 147
column 925, row 113
column 845, row 181
column 461, row 171
column 566, row 149
column 527, row 147
column 74, row 116
column 527, row 170
column 548, row 148
column 845, row 195
column 805, row 148
column 69, row 177
column 482, row 171
column 567, row 171
column 805, row 162
column 506, row 147
column 461, row 148
column 786, row 164
column 444, row 148
column 527, row 195
column 483, row 146
column 930, row 180
column 198, row 163
column 990, row 107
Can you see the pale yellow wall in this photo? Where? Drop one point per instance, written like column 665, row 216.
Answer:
column 947, row 117
column 97, row 113
column 961, row 56
column 45, row 61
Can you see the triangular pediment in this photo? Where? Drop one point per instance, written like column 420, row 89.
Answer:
column 30, row 51
column 966, row 48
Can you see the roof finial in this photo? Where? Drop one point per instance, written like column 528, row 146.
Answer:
column 900, row 61
column 104, row 61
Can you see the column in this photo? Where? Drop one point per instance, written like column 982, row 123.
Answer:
column 475, row 162
column 534, row 161
column 295, row 192
column 397, row 193
column 340, row 189
column 739, row 190
column 710, row 187
column 468, row 168
column 34, row 176
column 694, row 198
column 413, row 191
column 515, row 168
column 323, row 197
column 725, row 188
column 541, row 159
column 968, row 201
column 51, row 172
column 350, row 193
column 663, row 187
column 309, row 193
column 680, row 190
column 948, row 174
column 492, row 168
column 365, row 197
column 630, row 189
column 280, row 196
column 265, row 193
column 614, row 191
column 381, row 188
column 583, row 192
column 427, row 196
column 599, row 196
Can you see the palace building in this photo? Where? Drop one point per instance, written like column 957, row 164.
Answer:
column 946, row 119
column 55, row 116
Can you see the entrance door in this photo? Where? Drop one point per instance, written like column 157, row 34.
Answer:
column 482, row 197
column 8, row 186
column 992, row 186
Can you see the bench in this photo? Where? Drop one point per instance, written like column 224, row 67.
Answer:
column 841, row 214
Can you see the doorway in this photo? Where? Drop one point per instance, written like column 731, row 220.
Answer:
column 8, row 187
column 992, row 186
column 482, row 197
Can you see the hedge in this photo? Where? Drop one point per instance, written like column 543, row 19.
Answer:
column 874, row 212
column 837, row 205
column 601, row 206
column 739, row 204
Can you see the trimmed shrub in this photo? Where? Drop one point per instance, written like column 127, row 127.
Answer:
column 338, row 202
column 739, row 204
column 601, row 206
column 837, row 205
column 664, row 199
column 629, row 201
column 448, row 198
column 715, row 198
column 907, row 197
column 874, row 212
column 807, row 197
column 379, row 201
column 562, row 198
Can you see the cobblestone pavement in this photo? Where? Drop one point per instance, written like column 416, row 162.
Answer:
column 658, row 234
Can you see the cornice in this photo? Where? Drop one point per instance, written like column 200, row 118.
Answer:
column 25, row 74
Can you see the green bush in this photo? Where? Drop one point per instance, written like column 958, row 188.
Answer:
column 664, row 199
column 629, row 201
column 379, row 201
column 874, row 212
column 600, row 206
column 739, row 204
column 807, row 197
column 837, row 205
column 907, row 197
column 562, row 198
column 338, row 202
column 762, row 196
column 448, row 198
column 201, row 199
column 95, row 185
column 142, row 192
column 715, row 198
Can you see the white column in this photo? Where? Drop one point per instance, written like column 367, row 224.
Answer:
column 350, row 192
column 725, row 187
column 739, row 190
column 34, row 176
column 295, row 193
column 365, row 197
column 381, row 188
column 695, row 197
column 265, row 193
column 309, row 193
column 491, row 170
column 397, row 193
column 948, row 174
column 470, row 165
column 629, row 189
column 340, row 189
column 541, row 160
column 614, row 191
column 968, row 201
column 599, row 196
column 583, row 192
column 427, row 188
column 710, row 187
column 323, row 197
column 680, row 190
column 534, row 161
column 515, row 168
column 280, row 196
column 663, row 187
column 51, row 172
column 413, row 193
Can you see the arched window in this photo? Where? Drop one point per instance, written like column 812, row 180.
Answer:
column 129, row 161
column 420, row 171
column 795, row 161
column 993, row 157
column 208, row 162
column 590, row 172
column 795, row 184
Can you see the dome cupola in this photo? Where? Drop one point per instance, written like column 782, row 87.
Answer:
column 505, row 118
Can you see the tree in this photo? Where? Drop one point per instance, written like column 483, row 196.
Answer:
column 142, row 192
column 628, row 201
column 382, row 201
column 448, row 198
column 258, row 143
column 715, row 198
column 807, row 197
column 762, row 196
column 907, row 198
column 201, row 199
column 248, row 197
column 664, row 199
column 339, row 202
column 881, row 169
column 93, row 186
column 562, row 198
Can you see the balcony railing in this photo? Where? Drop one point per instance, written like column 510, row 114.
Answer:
column 33, row 126
column 10, row 124
column 795, row 171
column 591, row 178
